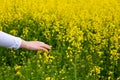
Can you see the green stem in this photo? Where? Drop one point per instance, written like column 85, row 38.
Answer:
column 75, row 71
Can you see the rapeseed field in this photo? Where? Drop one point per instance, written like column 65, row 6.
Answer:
column 84, row 34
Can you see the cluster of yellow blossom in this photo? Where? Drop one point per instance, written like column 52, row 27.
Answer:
column 84, row 34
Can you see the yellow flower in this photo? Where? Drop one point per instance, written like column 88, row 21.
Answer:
column 100, row 53
column 17, row 67
column 47, row 78
column 114, row 55
column 18, row 73
column 97, row 69
column 118, row 78
column 110, row 72
column 109, row 77
column 13, row 32
column 62, row 71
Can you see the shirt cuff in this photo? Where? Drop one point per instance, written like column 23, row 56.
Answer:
column 18, row 42
column 9, row 41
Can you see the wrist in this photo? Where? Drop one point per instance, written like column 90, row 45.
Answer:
column 24, row 44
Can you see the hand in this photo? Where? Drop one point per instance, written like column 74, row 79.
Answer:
column 35, row 45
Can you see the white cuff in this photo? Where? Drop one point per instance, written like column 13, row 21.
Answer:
column 9, row 41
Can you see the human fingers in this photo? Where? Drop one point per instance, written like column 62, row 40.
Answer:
column 43, row 49
column 46, row 46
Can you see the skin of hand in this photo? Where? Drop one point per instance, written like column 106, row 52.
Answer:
column 35, row 45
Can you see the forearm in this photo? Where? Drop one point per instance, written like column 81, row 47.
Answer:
column 9, row 41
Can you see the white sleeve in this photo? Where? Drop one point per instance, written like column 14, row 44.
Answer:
column 9, row 41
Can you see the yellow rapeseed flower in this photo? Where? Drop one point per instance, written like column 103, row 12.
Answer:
column 17, row 67
column 47, row 78
column 62, row 71
column 18, row 73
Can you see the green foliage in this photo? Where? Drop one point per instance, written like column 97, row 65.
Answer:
column 85, row 39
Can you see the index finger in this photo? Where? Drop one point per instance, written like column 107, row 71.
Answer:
column 46, row 46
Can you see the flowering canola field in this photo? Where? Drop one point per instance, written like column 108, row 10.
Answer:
column 84, row 34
